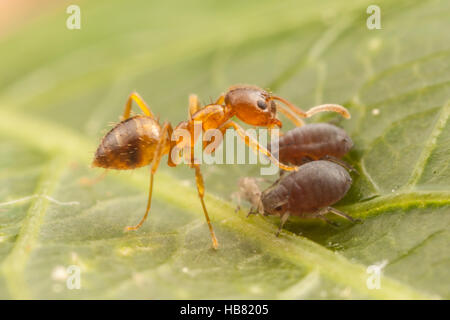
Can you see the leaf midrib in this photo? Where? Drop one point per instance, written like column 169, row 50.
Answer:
column 13, row 266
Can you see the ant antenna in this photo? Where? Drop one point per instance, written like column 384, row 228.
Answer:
column 321, row 108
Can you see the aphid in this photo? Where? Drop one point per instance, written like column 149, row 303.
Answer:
column 312, row 142
column 249, row 191
column 140, row 140
column 308, row 192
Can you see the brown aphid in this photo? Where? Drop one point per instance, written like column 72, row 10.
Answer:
column 312, row 142
column 308, row 192
column 249, row 191
column 139, row 141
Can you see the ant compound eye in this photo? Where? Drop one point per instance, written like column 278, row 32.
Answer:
column 279, row 208
column 262, row 104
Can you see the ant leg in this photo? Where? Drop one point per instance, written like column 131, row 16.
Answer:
column 221, row 99
column 134, row 96
column 85, row 181
column 213, row 144
column 340, row 162
column 194, row 106
column 147, row 210
column 324, row 107
column 284, row 218
column 201, row 193
column 164, row 140
column 256, row 147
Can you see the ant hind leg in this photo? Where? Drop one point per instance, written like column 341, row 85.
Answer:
column 85, row 181
column 164, row 140
column 134, row 96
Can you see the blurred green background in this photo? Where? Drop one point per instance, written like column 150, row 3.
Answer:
column 61, row 88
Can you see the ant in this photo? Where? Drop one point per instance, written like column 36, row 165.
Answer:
column 140, row 140
column 308, row 192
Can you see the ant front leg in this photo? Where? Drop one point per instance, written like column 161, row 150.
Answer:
column 256, row 147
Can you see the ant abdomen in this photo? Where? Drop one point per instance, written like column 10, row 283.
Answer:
column 130, row 144
column 312, row 142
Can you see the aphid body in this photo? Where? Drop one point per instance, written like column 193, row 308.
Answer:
column 316, row 185
column 312, row 142
column 308, row 192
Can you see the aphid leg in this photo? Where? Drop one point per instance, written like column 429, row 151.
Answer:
column 331, row 223
column 252, row 211
column 283, row 220
column 321, row 108
column 201, row 193
column 343, row 215
column 166, row 133
column 256, row 147
column 341, row 163
column 134, row 96
column 194, row 105
column 237, row 195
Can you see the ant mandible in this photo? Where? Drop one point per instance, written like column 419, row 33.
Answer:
column 140, row 140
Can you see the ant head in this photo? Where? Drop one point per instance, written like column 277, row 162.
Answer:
column 253, row 106
column 272, row 203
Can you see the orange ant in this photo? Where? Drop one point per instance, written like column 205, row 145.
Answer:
column 140, row 140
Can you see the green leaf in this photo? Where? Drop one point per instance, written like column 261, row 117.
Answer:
column 57, row 102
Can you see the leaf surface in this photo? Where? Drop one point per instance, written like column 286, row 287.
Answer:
column 57, row 102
